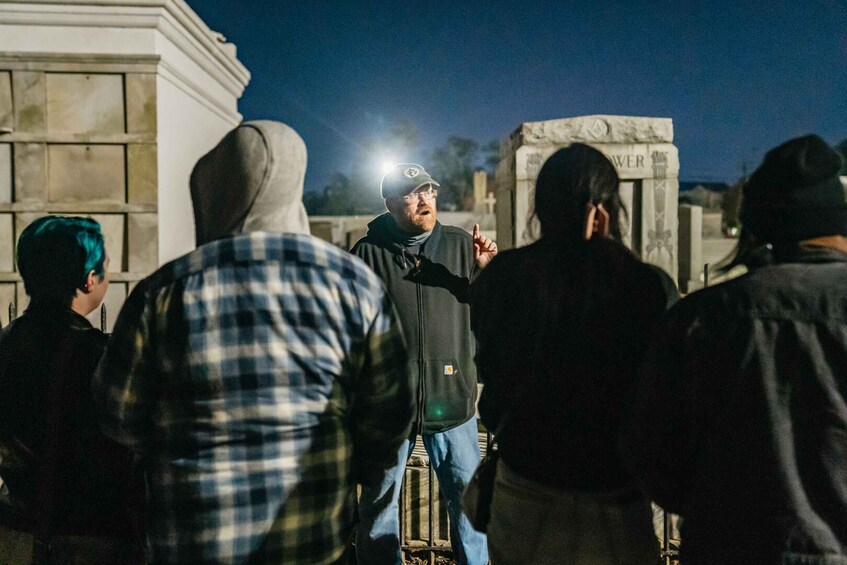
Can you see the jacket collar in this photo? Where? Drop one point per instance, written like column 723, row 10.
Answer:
column 59, row 312
column 800, row 253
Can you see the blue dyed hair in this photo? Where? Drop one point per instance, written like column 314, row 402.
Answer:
column 56, row 253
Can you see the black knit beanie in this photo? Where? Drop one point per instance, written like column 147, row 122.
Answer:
column 796, row 193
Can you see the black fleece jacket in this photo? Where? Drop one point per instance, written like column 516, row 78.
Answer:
column 430, row 293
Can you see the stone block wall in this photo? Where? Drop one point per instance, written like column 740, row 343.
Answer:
column 78, row 136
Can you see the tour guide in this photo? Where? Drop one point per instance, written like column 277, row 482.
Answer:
column 427, row 268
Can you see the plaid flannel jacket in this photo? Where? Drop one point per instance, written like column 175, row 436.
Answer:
column 259, row 377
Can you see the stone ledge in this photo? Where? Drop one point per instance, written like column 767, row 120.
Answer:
column 86, row 138
column 591, row 129
column 79, row 62
column 80, row 208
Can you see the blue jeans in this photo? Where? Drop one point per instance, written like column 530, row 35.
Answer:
column 454, row 455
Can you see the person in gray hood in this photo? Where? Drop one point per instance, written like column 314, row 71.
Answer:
column 261, row 376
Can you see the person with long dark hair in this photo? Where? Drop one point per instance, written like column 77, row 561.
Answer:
column 561, row 325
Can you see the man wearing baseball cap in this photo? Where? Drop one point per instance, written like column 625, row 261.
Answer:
column 427, row 268
column 748, row 381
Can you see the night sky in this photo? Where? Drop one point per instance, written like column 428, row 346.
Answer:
column 737, row 78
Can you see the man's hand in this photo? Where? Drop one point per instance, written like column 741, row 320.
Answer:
column 484, row 249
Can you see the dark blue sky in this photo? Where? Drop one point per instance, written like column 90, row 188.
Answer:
column 737, row 78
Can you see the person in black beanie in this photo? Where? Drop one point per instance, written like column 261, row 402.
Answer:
column 748, row 380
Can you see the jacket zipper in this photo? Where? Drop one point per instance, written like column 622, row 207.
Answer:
column 421, row 372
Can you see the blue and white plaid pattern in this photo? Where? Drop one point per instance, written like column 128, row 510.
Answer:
column 258, row 376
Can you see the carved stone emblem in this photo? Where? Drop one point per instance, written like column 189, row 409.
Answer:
column 599, row 129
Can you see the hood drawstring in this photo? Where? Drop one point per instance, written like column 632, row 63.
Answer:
column 403, row 257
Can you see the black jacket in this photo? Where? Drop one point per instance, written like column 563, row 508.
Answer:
column 430, row 293
column 561, row 327
column 741, row 424
column 47, row 357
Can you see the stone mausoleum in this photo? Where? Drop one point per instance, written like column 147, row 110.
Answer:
column 105, row 106
column 642, row 151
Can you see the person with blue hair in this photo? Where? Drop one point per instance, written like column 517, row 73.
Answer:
column 69, row 493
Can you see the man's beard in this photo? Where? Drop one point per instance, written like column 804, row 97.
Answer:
column 420, row 221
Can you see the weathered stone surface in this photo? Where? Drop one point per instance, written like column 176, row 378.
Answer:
column 30, row 172
column 595, row 129
column 5, row 172
column 113, row 228
column 690, row 247
column 322, row 230
column 23, row 219
column 140, row 103
column 631, row 160
column 86, row 173
column 7, row 114
column 354, row 235
column 659, row 223
column 142, row 174
column 7, row 244
column 643, row 155
column 114, row 299
column 29, row 101
column 142, row 243
column 85, row 103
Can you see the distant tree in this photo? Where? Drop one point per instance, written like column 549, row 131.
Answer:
column 491, row 155
column 453, row 165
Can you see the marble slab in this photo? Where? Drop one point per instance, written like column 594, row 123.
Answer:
column 142, row 174
column 142, row 243
column 7, row 244
column 86, row 173
column 30, row 172
column 85, row 103
column 28, row 94
column 5, row 172
column 7, row 114
column 140, row 103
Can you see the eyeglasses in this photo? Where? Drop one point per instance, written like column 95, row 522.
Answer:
column 427, row 194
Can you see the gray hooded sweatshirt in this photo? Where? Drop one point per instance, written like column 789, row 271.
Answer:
column 266, row 161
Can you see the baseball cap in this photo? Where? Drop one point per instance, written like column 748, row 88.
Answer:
column 403, row 179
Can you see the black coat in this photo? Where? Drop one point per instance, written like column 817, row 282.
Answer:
column 430, row 293
column 47, row 358
column 561, row 328
column 741, row 423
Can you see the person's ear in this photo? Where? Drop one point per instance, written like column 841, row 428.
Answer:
column 596, row 221
column 91, row 280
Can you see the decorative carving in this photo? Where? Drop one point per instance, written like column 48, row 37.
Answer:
column 659, row 238
column 593, row 129
column 599, row 129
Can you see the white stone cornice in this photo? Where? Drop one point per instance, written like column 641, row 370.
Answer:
column 173, row 19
